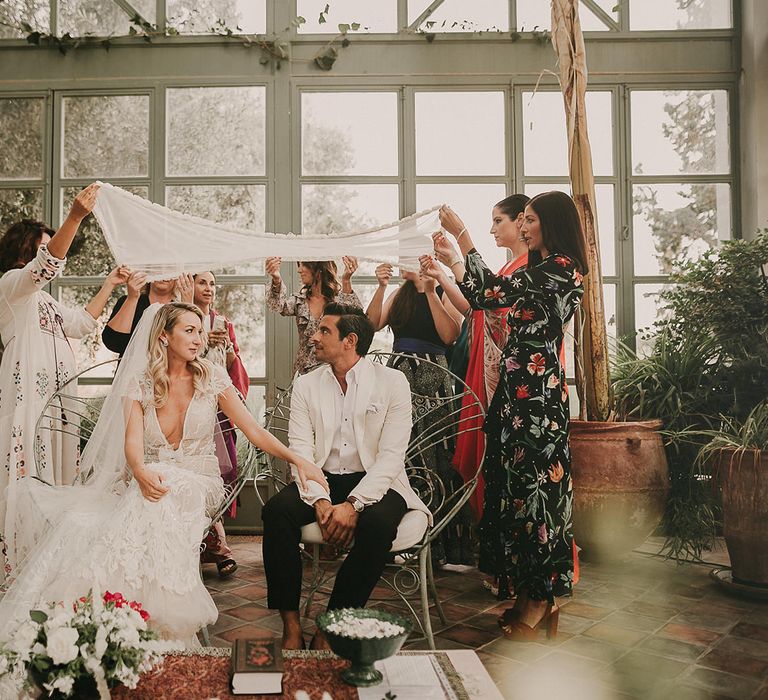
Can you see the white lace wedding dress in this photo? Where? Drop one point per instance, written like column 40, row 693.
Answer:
column 124, row 543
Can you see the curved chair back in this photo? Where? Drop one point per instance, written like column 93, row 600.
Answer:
column 436, row 426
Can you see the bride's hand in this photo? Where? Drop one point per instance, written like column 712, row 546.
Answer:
column 310, row 472
column 151, row 484
column 429, row 269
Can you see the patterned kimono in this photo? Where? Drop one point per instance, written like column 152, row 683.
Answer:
column 526, row 532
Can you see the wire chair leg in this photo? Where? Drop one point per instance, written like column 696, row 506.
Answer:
column 433, row 590
column 424, row 557
column 315, row 584
column 206, row 636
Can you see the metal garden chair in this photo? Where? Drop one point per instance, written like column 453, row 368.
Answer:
column 436, row 422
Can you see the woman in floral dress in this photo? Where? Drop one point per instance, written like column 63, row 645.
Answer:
column 36, row 331
column 526, row 531
column 320, row 286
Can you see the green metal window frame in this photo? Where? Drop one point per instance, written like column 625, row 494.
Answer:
column 620, row 61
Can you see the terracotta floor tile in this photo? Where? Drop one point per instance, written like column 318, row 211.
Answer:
column 469, row 636
column 733, row 662
column 705, row 621
column 573, row 624
column 660, row 612
column 250, row 591
column 672, row 648
column 591, row 612
column 746, row 647
column 761, row 693
column 484, row 621
column 227, row 600
column 249, row 612
column 594, row 649
column 750, row 631
column 615, row 635
column 689, row 633
column 726, row 684
column 224, row 623
column 634, row 622
column 458, row 613
column 640, row 663
column 246, row 632
column 519, row 651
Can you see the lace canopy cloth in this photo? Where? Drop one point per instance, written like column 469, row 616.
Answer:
column 164, row 243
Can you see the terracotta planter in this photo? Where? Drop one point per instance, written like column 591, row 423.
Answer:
column 620, row 485
column 743, row 478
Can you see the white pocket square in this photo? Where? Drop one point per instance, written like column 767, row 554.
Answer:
column 373, row 408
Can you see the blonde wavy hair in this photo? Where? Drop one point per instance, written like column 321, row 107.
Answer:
column 157, row 367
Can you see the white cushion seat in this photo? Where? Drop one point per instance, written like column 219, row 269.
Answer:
column 409, row 533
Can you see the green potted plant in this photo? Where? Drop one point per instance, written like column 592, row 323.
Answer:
column 724, row 297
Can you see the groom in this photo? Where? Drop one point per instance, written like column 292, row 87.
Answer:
column 352, row 418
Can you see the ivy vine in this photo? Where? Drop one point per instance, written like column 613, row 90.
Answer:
column 274, row 48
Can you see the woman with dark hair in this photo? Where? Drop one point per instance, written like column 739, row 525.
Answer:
column 425, row 324
column 320, row 286
column 526, row 535
column 36, row 330
column 128, row 309
column 222, row 350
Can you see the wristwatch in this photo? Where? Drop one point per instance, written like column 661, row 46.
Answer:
column 357, row 504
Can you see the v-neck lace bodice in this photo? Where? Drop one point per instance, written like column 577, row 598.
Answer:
column 197, row 437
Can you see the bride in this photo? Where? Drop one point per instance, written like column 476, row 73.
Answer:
column 136, row 524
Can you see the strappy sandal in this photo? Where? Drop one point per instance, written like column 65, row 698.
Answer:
column 226, row 567
column 516, row 630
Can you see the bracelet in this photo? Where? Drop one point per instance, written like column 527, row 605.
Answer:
column 461, row 233
column 456, row 262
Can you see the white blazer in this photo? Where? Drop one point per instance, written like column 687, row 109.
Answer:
column 382, row 423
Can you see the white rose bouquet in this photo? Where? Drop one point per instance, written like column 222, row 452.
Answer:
column 81, row 651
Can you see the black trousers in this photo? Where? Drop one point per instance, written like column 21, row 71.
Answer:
column 285, row 514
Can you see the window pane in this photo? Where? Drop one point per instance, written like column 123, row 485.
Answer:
column 680, row 131
column 342, row 208
column 241, row 16
column 100, row 17
column 36, row 13
column 537, row 15
column 349, row 133
column 16, row 204
column 21, row 124
column 606, row 222
column 239, row 206
column 545, row 141
column 256, row 402
column 647, row 312
column 384, row 338
column 461, row 16
column 106, row 136
column 609, row 302
column 371, row 15
column 663, row 14
column 216, row 131
column 474, row 204
column 90, row 350
column 243, row 305
column 89, row 254
column 672, row 223
column 460, row 133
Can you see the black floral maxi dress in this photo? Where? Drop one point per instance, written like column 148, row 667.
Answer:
column 526, row 532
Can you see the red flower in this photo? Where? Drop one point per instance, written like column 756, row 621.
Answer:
column 562, row 261
column 116, row 598
column 527, row 314
column 522, row 392
column 538, row 364
column 494, row 293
